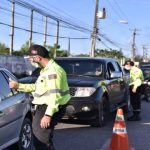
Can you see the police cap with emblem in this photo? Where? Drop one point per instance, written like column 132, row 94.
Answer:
column 38, row 50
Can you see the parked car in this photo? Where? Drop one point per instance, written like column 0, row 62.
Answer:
column 15, row 115
column 146, row 85
column 97, row 86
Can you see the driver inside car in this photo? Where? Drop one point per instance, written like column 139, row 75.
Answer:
column 98, row 71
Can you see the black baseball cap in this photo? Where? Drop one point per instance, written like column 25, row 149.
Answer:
column 129, row 62
column 38, row 50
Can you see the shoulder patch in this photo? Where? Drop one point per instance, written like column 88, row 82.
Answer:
column 52, row 76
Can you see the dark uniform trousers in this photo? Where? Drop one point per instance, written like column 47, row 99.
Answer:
column 43, row 137
column 135, row 100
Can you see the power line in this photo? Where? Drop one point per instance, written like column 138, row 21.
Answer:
column 63, row 37
column 40, row 11
column 37, row 19
column 60, row 10
column 121, row 11
column 69, row 23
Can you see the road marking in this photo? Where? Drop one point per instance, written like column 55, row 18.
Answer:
column 106, row 144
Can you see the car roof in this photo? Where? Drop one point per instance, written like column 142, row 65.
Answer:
column 145, row 64
column 7, row 71
column 4, row 69
column 86, row 58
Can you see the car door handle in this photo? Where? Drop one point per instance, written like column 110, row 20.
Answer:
column 1, row 113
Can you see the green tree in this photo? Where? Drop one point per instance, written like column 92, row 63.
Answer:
column 59, row 53
column 4, row 49
column 23, row 50
column 82, row 55
column 109, row 53
column 138, row 58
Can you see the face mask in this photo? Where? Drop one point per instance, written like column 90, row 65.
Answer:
column 34, row 64
column 127, row 67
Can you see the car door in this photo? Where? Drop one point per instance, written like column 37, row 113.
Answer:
column 11, row 111
column 113, row 85
column 121, row 83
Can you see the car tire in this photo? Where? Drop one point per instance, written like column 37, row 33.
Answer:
column 147, row 94
column 102, row 114
column 25, row 139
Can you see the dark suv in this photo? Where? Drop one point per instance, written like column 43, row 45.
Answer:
column 145, row 67
column 15, row 115
column 97, row 86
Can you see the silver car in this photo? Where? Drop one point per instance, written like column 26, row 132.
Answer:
column 15, row 115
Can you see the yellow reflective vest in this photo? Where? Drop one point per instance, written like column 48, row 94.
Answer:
column 51, row 88
column 136, row 77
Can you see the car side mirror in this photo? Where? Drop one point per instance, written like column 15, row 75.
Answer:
column 116, row 75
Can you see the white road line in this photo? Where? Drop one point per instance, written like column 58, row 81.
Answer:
column 106, row 144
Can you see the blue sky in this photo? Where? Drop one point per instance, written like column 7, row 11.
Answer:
column 81, row 12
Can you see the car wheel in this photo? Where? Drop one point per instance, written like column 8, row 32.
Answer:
column 102, row 114
column 147, row 94
column 25, row 139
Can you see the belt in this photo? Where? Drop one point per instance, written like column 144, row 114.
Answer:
column 62, row 106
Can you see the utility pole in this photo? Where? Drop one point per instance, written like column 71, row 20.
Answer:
column 45, row 31
column 12, row 29
column 94, row 34
column 133, row 45
column 133, row 53
column 68, row 46
column 145, row 59
column 31, row 28
column 57, row 39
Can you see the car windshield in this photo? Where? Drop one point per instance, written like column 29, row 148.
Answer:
column 83, row 67
column 146, row 69
column 146, row 72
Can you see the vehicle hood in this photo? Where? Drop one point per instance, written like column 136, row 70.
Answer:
column 83, row 81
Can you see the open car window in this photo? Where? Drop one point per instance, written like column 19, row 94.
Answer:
column 5, row 91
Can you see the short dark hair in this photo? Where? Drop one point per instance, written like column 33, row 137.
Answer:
column 129, row 62
column 38, row 50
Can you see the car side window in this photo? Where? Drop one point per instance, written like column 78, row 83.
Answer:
column 110, row 69
column 117, row 67
column 5, row 91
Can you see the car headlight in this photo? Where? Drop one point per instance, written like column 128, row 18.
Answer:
column 84, row 91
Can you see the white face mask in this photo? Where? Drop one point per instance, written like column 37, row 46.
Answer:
column 33, row 61
column 34, row 64
column 127, row 67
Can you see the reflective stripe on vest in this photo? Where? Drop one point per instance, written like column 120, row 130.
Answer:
column 47, row 93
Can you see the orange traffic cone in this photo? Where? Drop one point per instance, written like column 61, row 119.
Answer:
column 119, row 139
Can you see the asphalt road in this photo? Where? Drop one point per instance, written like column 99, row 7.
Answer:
column 78, row 136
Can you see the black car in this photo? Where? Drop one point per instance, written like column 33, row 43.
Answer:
column 97, row 86
column 145, row 67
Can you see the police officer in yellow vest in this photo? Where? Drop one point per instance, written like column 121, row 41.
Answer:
column 136, row 80
column 51, row 94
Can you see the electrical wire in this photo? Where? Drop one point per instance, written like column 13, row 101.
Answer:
column 63, row 37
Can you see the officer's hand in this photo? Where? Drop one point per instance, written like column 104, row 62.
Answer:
column 45, row 122
column 134, row 90
column 13, row 84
